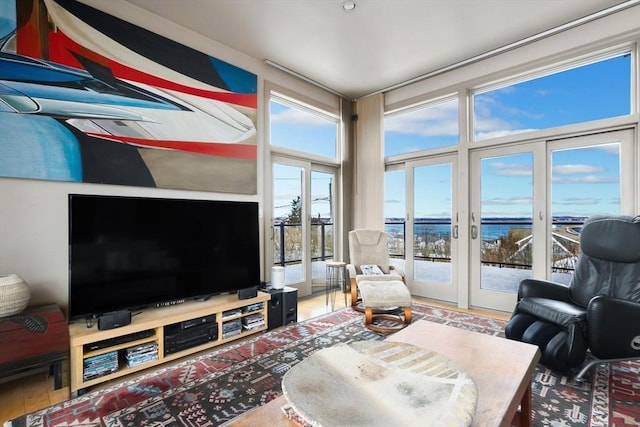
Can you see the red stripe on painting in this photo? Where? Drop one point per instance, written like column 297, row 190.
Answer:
column 233, row 150
column 64, row 43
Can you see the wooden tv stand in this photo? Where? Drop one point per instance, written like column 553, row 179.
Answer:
column 152, row 322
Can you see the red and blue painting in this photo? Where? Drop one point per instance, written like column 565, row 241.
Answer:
column 89, row 97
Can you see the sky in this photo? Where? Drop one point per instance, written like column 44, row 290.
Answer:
column 306, row 131
column 584, row 181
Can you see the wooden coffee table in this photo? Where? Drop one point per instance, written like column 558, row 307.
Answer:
column 501, row 369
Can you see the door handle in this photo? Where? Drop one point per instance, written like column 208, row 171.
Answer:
column 455, row 231
column 474, row 232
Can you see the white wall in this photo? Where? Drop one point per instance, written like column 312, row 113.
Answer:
column 368, row 172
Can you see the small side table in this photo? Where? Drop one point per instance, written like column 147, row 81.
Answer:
column 336, row 279
column 36, row 339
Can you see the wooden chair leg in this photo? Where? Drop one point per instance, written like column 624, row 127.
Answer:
column 354, row 293
column 407, row 315
column 368, row 316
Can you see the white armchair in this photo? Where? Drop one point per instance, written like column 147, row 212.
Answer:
column 369, row 249
column 384, row 297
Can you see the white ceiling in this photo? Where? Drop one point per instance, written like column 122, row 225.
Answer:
column 380, row 43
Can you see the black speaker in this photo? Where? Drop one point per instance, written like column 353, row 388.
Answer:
column 275, row 317
column 283, row 307
column 114, row 319
column 248, row 293
column 289, row 306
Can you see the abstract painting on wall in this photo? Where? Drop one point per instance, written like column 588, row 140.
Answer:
column 88, row 97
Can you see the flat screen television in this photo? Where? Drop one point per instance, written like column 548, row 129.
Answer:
column 133, row 252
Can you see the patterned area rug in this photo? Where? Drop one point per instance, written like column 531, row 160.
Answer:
column 214, row 388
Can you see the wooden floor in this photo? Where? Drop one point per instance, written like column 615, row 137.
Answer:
column 36, row 392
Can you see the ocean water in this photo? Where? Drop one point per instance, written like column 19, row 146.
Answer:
column 488, row 231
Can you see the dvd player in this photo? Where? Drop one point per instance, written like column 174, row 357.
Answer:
column 118, row 340
column 199, row 321
column 177, row 339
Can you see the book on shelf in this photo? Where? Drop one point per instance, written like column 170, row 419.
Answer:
column 230, row 314
column 253, row 307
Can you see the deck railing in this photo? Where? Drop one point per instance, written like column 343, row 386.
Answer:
column 288, row 242
column 397, row 243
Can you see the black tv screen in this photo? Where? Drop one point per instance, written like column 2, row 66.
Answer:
column 133, row 252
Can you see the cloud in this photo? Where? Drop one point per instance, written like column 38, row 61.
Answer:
column 578, row 201
column 298, row 117
column 441, row 214
column 589, row 179
column 577, row 169
column 508, row 201
column 503, row 214
column 393, row 201
column 613, row 148
column 489, row 113
column 435, row 120
column 481, row 136
column 511, row 169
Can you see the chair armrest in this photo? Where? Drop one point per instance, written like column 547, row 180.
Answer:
column 351, row 269
column 544, row 289
column 394, row 269
column 611, row 331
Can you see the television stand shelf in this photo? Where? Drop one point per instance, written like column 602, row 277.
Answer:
column 159, row 335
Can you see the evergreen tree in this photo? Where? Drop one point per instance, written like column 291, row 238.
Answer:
column 295, row 216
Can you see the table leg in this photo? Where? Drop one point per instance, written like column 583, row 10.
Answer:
column 57, row 375
column 523, row 416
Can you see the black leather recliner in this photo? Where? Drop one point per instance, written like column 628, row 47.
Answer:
column 599, row 311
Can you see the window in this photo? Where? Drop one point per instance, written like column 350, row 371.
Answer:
column 302, row 129
column 395, row 211
column 428, row 126
column 597, row 90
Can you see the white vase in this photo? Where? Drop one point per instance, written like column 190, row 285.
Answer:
column 14, row 295
column 277, row 277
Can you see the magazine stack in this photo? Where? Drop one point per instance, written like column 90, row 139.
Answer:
column 141, row 354
column 100, row 365
column 231, row 328
column 253, row 307
column 253, row 321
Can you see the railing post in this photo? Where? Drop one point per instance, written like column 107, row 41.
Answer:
column 404, row 239
column 282, row 261
column 322, row 240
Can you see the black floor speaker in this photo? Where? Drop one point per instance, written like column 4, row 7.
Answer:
column 283, row 307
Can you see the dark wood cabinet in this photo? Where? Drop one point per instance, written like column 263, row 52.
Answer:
column 36, row 339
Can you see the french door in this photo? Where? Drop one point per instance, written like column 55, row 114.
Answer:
column 590, row 175
column 304, row 207
column 527, row 204
column 428, row 226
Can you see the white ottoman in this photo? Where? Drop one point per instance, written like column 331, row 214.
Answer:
column 385, row 295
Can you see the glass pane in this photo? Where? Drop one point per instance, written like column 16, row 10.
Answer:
column 302, row 130
column 584, row 182
column 394, row 214
column 506, row 195
column 432, row 223
column 321, row 222
column 595, row 91
column 287, row 221
column 429, row 127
